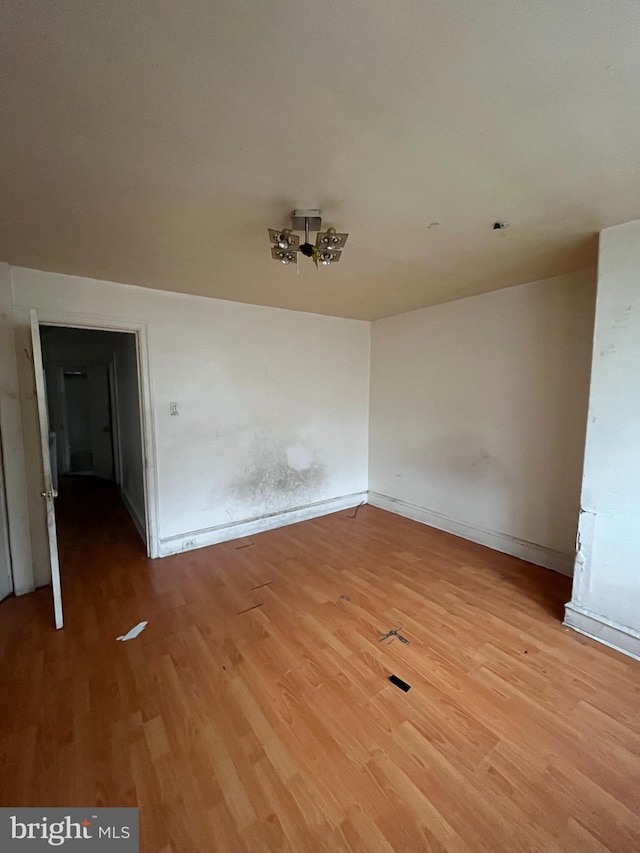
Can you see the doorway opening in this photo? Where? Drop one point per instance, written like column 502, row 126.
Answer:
column 92, row 389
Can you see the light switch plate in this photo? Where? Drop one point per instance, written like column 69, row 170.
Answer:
column 173, row 409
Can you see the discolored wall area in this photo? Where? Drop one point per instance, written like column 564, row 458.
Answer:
column 478, row 415
column 272, row 406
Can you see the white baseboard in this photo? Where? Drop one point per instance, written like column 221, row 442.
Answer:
column 251, row 526
column 599, row 628
column 135, row 515
column 529, row 551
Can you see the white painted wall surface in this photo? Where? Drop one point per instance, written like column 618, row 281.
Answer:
column 607, row 577
column 15, row 476
column 478, row 415
column 273, row 404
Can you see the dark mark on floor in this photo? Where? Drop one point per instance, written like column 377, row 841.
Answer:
column 253, row 607
column 248, row 545
column 400, row 683
column 260, row 585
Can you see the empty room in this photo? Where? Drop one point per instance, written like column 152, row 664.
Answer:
column 320, row 426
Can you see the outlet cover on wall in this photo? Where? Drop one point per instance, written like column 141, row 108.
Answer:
column 174, row 409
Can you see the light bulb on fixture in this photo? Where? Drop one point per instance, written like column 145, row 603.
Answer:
column 330, row 239
column 284, row 240
column 328, row 257
column 286, row 257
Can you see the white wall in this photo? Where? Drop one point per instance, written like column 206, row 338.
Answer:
column 273, row 404
column 478, row 415
column 606, row 593
column 12, row 444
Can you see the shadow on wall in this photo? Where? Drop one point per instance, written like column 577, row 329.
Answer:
column 279, row 476
column 562, row 393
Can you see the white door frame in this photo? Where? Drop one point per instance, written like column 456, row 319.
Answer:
column 149, row 466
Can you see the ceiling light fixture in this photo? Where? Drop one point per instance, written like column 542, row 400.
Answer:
column 328, row 246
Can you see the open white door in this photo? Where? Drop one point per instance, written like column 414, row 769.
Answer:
column 49, row 493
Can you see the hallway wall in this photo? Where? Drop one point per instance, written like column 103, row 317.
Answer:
column 128, row 415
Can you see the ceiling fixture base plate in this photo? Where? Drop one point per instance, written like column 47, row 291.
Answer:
column 298, row 219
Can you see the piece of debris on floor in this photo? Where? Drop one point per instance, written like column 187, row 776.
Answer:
column 246, row 610
column 133, row 633
column 260, row 585
column 345, row 597
column 356, row 512
column 394, row 633
column 246, row 545
column 400, row 683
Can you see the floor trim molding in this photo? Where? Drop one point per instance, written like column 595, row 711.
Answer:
column 251, row 526
column 529, row 551
column 599, row 628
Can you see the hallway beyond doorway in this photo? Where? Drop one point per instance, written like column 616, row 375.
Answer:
column 92, row 519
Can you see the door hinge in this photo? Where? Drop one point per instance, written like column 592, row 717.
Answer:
column 50, row 494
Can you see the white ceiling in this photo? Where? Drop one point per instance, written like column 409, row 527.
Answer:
column 154, row 142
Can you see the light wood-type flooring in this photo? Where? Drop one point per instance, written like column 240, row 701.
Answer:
column 277, row 728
